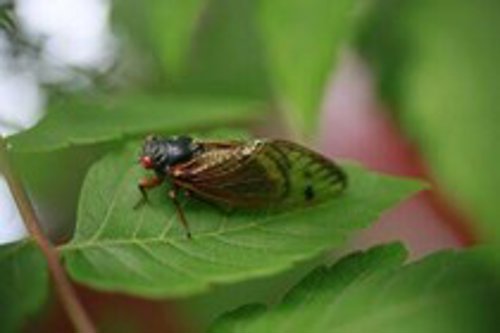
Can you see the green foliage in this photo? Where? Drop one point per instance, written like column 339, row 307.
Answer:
column 435, row 62
column 88, row 121
column 201, row 46
column 382, row 42
column 227, row 57
column 23, row 284
column 145, row 251
column 372, row 292
column 445, row 82
column 243, row 48
column 165, row 27
column 302, row 40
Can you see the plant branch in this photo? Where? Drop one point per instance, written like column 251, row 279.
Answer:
column 62, row 284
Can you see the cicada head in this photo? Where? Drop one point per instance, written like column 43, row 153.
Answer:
column 161, row 153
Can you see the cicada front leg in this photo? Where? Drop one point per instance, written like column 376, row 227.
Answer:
column 144, row 185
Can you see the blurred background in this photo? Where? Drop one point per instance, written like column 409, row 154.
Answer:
column 404, row 87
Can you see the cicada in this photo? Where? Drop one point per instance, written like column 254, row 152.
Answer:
column 253, row 174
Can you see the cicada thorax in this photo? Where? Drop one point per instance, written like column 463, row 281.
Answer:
column 260, row 173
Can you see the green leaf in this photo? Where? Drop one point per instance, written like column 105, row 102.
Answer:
column 227, row 57
column 302, row 40
column 23, row 284
column 445, row 82
column 93, row 120
column 165, row 26
column 382, row 42
column 145, row 251
column 371, row 292
column 208, row 47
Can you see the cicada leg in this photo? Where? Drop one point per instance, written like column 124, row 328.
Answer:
column 180, row 212
column 144, row 185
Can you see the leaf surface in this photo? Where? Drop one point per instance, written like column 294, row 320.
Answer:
column 166, row 27
column 89, row 121
column 227, row 56
column 302, row 41
column 372, row 292
column 438, row 62
column 23, row 284
column 145, row 251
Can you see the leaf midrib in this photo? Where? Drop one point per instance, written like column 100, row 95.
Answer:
column 95, row 242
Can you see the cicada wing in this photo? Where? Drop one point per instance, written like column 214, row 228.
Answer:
column 236, row 175
column 262, row 173
column 311, row 176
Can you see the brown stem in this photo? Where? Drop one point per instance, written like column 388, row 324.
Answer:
column 63, row 286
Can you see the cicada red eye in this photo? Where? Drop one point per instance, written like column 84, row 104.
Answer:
column 147, row 162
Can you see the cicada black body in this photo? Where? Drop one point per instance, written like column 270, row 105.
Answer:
column 246, row 174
